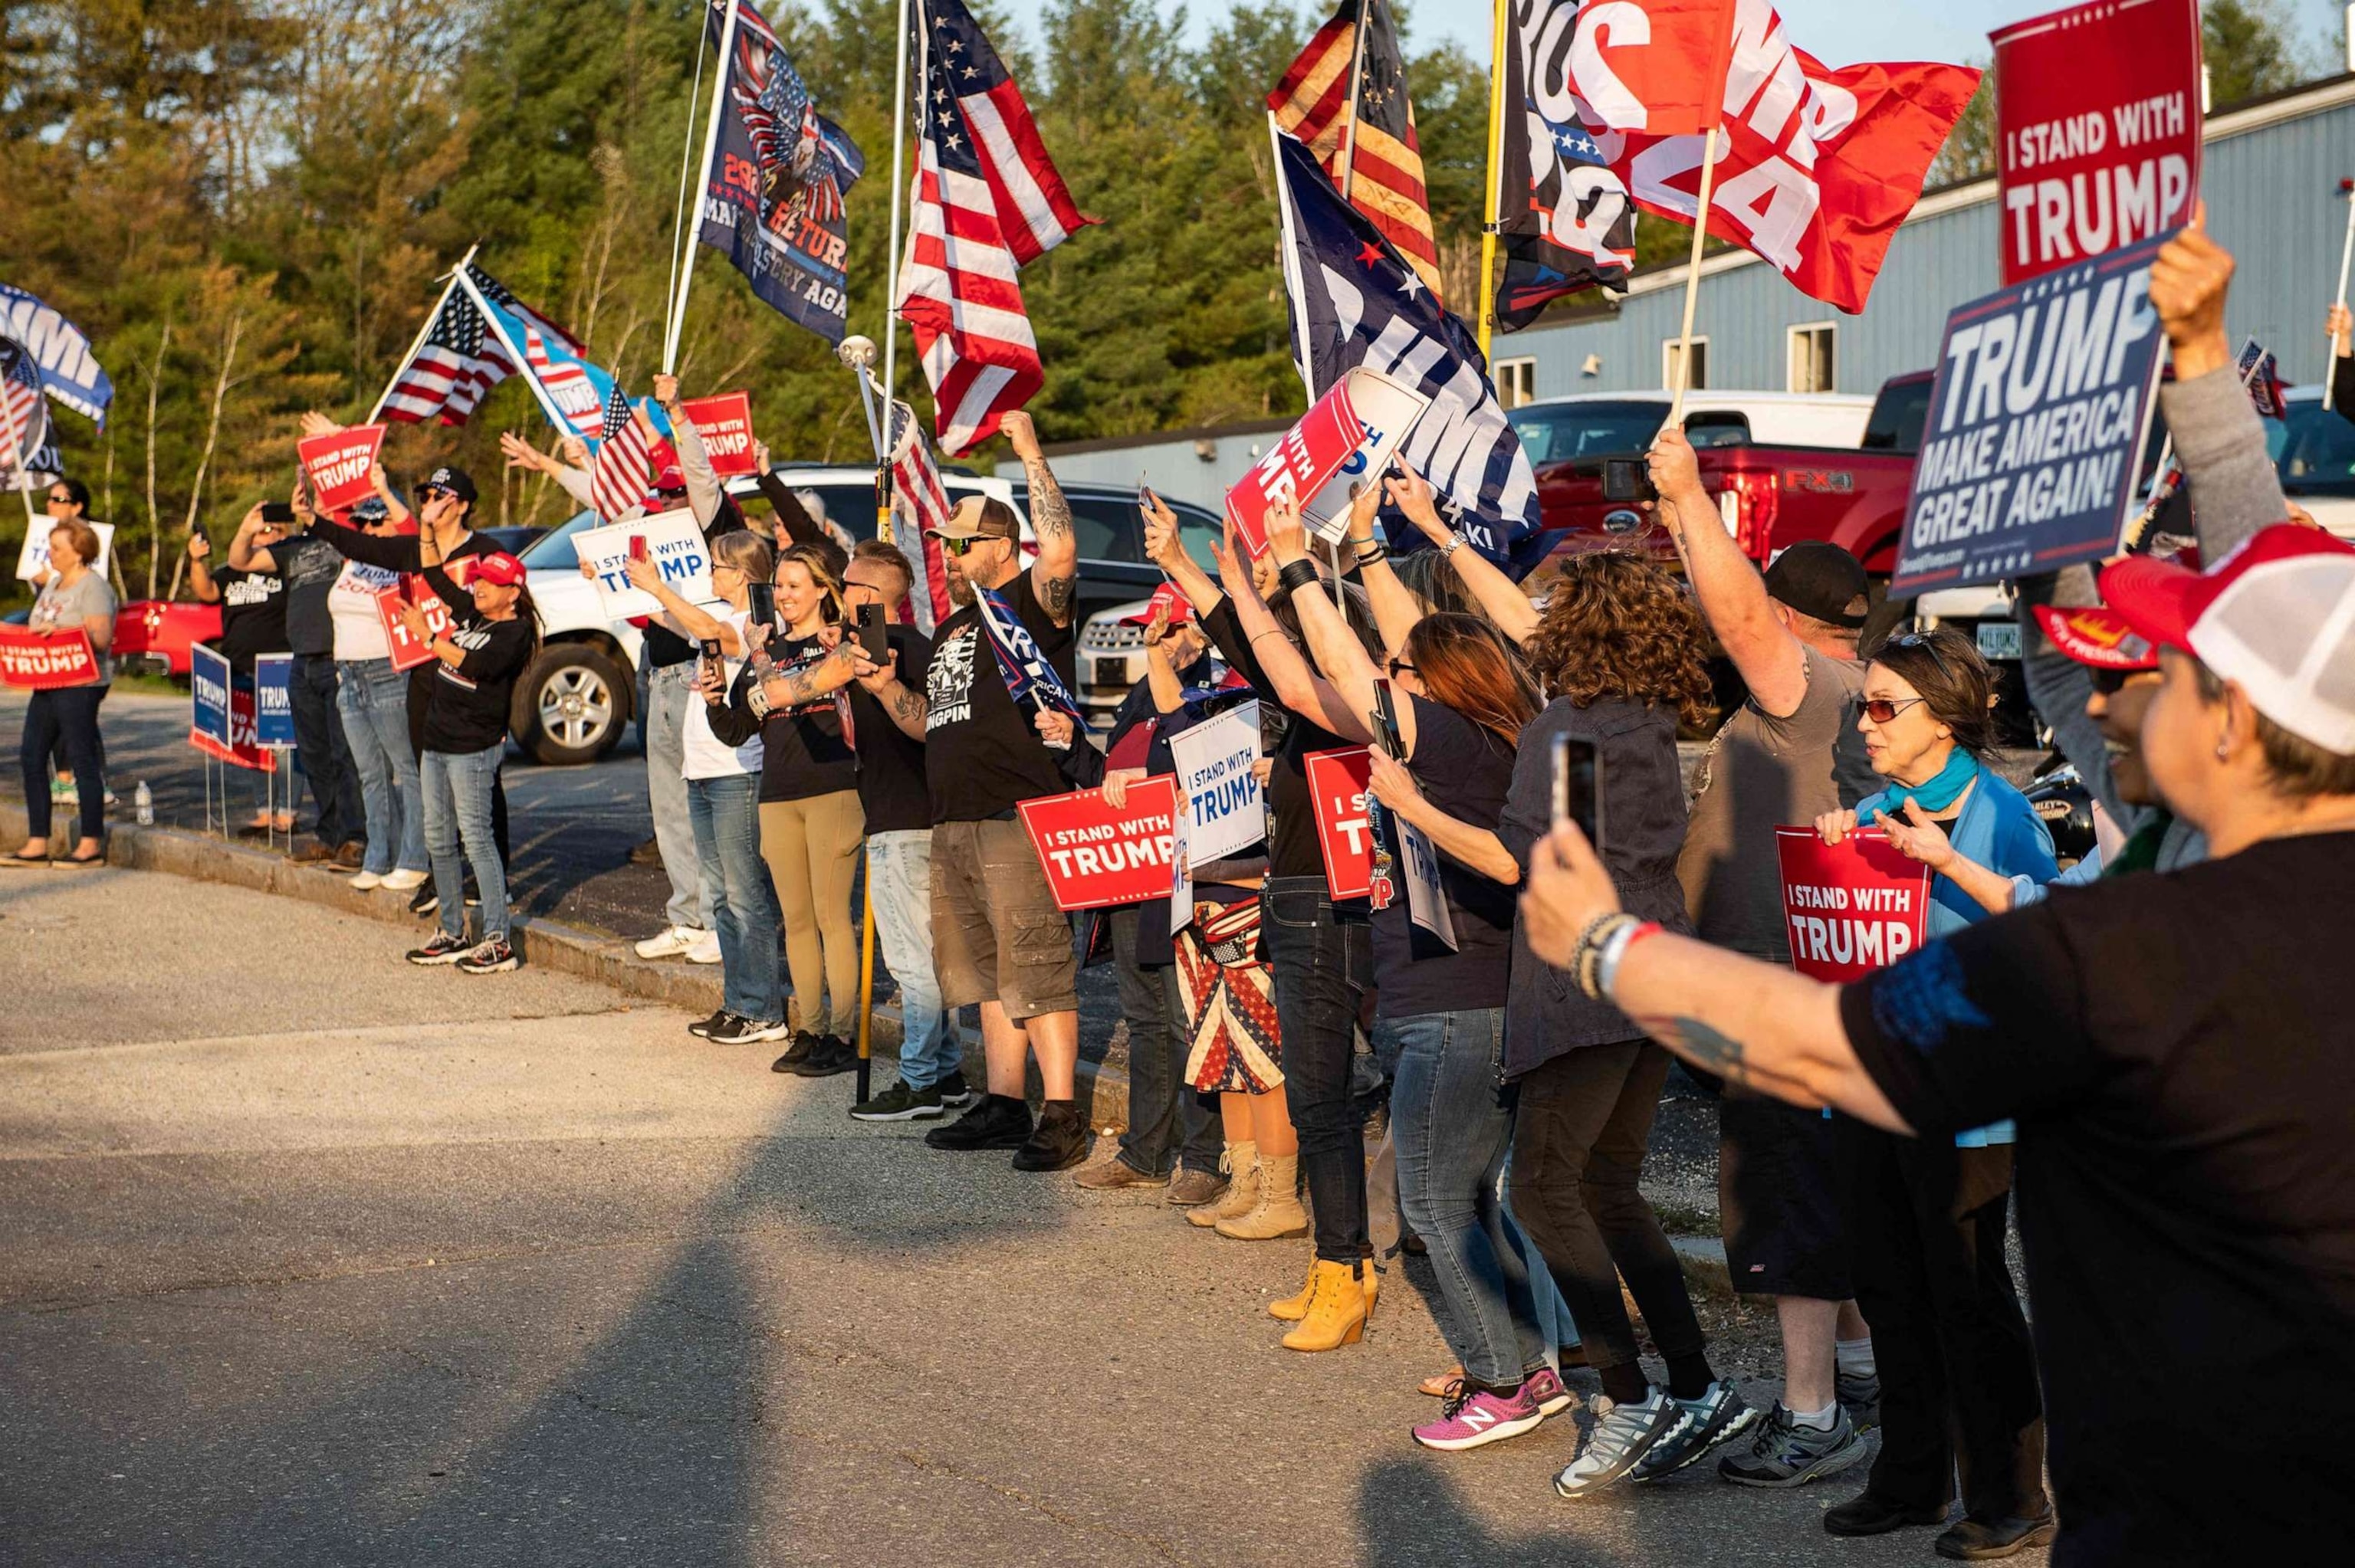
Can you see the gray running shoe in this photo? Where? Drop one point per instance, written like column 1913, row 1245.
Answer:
column 1717, row 1417
column 1787, row 1454
column 1623, row 1435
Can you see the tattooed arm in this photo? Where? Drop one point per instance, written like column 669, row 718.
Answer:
column 908, row 707
column 1754, row 1023
column 1054, row 575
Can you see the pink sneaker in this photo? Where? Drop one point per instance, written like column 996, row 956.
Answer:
column 1470, row 1420
column 1546, row 1388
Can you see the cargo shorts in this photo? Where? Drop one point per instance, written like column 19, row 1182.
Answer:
column 998, row 934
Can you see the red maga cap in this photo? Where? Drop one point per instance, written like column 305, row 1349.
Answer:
column 2095, row 636
column 1165, row 597
column 500, row 567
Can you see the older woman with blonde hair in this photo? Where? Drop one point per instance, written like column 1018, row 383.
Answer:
column 74, row 599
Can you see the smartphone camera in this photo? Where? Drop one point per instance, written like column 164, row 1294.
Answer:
column 762, row 600
column 1627, row 480
column 277, row 514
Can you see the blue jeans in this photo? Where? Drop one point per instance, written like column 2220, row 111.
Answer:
column 67, row 715
column 1323, row 956
column 726, row 813
column 373, row 699
column 899, row 884
column 669, row 687
column 1452, row 1134
column 457, row 788
column 1168, row 1124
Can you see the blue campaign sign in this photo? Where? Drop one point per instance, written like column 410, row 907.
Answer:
column 2043, row 398
column 273, row 700
column 209, row 692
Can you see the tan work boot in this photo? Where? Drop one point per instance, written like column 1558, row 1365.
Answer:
column 1278, row 1212
column 1337, row 1308
column 1240, row 1162
column 1292, row 1309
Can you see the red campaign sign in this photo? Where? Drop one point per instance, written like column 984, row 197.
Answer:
column 1298, row 467
column 338, row 465
column 407, row 652
column 1345, row 828
column 2097, row 120
column 1852, row 907
column 245, row 748
column 42, row 663
column 725, row 423
column 1654, row 66
column 1096, row 855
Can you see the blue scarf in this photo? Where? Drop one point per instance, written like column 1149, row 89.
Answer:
column 1933, row 796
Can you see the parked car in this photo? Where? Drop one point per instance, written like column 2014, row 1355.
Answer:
column 153, row 636
column 1111, row 656
column 2314, row 452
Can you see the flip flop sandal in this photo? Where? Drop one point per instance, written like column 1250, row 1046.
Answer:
column 14, row 857
column 98, row 859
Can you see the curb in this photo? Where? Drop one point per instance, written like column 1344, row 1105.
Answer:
column 543, row 943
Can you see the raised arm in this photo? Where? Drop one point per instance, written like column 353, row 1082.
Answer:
column 1055, row 574
column 1331, row 644
column 1731, row 594
column 1160, row 674
column 1164, row 548
column 1287, row 674
column 1499, row 596
column 2235, row 488
column 1395, row 610
column 703, row 490
column 683, row 616
column 793, row 520
column 200, row 573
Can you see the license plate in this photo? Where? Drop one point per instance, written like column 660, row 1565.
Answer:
column 1998, row 640
column 1112, row 670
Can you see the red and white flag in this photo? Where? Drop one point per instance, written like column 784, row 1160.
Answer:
column 987, row 199
column 1815, row 168
column 917, row 483
column 624, row 469
column 1654, row 66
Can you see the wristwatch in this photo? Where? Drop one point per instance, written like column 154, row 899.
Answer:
column 1455, row 541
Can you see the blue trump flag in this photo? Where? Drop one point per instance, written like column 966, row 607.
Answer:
column 1355, row 301
column 773, row 201
column 70, row 373
column 573, row 391
column 1026, row 672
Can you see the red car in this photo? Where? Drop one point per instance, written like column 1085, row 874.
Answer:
column 153, row 635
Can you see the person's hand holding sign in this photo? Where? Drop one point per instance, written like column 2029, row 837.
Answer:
column 1117, row 781
column 2187, row 282
column 1287, row 540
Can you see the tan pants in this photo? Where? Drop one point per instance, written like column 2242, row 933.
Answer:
column 812, row 848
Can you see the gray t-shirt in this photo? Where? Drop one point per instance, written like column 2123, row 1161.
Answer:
column 70, row 605
column 1762, row 773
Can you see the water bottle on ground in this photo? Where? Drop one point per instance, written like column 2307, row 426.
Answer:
column 143, row 805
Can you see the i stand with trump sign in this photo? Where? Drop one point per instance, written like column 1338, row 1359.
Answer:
column 1851, row 906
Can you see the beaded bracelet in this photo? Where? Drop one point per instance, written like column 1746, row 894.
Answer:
column 1614, row 948
column 1590, row 942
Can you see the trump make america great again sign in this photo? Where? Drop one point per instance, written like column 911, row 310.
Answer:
column 2043, row 398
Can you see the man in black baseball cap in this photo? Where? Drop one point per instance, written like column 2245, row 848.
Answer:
column 1822, row 582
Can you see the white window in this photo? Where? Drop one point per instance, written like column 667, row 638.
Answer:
column 1813, row 357
column 1517, row 382
column 1699, row 363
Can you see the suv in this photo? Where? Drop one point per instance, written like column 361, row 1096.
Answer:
column 582, row 690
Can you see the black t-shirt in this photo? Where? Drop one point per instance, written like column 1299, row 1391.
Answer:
column 469, row 707
column 982, row 755
column 1468, row 772
column 1293, row 849
column 309, row 566
column 2178, row 1051
column 253, row 616
column 804, row 752
column 890, row 761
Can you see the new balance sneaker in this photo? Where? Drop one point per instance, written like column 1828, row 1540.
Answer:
column 995, row 1121
column 1468, row 1419
column 491, row 957
column 670, row 942
column 954, row 1091
column 1860, row 1396
column 742, row 1031
column 1623, row 1435
column 1788, row 1453
column 1059, row 1142
column 703, row 1029
column 900, row 1103
column 832, row 1055
column 1717, row 1417
column 398, row 881
column 1545, row 1386
column 706, row 949
column 440, row 948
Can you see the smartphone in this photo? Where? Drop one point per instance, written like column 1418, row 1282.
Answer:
column 715, row 663
column 637, row 546
column 872, row 640
column 1578, row 786
column 1386, row 729
column 277, row 513
column 762, row 600
column 1627, row 479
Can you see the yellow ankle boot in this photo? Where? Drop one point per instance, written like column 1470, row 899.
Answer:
column 1278, row 1212
column 1240, row 1162
column 1292, row 1309
column 1336, row 1309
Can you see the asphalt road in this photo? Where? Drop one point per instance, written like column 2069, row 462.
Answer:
column 313, row 1258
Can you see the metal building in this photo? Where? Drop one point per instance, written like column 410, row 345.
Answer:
column 2270, row 176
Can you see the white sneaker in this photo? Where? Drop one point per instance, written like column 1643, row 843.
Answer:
column 706, row 949
column 668, row 943
column 402, row 881
column 367, row 880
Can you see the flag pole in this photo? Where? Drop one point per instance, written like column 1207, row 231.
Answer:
column 687, row 154
column 1692, row 280
column 1357, row 84
column 419, row 341
column 891, row 259
column 1492, row 199
column 2346, row 255
column 21, row 457
column 702, row 184
column 515, row 353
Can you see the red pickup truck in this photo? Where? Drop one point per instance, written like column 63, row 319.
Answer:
column 154, row 635
column 1784, row 467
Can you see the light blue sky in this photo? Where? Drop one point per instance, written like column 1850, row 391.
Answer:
column 1837, row 32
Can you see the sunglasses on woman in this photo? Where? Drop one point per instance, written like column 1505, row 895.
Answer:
column 1881, row 710
column 61, row 501
column 1399, row 666
column 1925, row 642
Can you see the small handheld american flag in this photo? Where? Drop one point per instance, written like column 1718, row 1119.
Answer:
column 624, row 469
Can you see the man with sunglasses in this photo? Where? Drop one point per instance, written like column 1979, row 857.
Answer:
column 998, row 937
column 1789, row 754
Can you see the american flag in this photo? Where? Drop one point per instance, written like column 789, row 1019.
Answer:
column 460, row 357
column 1312, row 102
column 24, row 418
column 916, row 482
column 624, row 469
column 987, row 199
